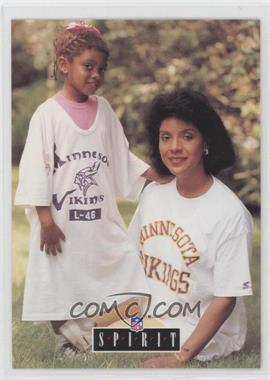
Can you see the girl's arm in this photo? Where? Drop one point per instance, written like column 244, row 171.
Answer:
column 50, row 233
column 214, row 316
column 152, row 175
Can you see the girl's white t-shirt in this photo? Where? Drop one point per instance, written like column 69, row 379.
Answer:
column 194, row 249
column 79, row 173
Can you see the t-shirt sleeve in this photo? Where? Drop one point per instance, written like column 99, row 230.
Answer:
column 127, row 167
column 134, row 227
column 138, row 219
column 35, row 171
column 136, row 167
column 232, row 268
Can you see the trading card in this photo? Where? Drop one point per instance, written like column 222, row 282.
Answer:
column 134, row 141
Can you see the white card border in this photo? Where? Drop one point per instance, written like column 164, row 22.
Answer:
column 118, row 9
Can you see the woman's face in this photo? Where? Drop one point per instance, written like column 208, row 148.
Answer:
column 181, row 148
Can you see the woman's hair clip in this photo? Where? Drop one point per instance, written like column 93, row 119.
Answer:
column 82, row 25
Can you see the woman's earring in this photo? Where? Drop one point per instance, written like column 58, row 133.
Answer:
column 206, row 151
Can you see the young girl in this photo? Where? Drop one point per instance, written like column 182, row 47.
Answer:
column 194, row 233
column 75, row 162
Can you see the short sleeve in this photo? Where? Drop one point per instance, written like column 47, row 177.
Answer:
column 136, row 167
column 35, row 169
column 135, row 227
column 141, row 211
column 232, row 268
column 127, row 168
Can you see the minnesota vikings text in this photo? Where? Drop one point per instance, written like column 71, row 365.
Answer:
column 163, row 272
column 182, row 240
column 84, row 179
column 85, row 154
column 86, row 200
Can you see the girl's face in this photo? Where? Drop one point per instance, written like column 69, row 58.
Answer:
column 181, row 148
column 83, row 74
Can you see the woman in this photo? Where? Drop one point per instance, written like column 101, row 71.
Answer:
column 194, row 234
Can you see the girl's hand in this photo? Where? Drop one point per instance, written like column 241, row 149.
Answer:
column 50, row 237
column 50, row 233
column 152, row 175
column 164, row 362
column 165, row 179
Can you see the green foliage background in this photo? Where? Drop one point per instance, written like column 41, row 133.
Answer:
column 219, row 57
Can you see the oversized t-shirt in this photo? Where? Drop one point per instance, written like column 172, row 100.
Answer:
column 194, row 249
column 79, row 173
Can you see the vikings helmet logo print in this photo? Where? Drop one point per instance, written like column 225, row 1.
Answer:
column 84, row 178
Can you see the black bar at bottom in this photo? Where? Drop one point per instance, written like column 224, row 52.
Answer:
column 150, row 339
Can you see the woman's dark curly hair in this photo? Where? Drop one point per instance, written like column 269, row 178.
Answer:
column 192, row 107
column 72, row 42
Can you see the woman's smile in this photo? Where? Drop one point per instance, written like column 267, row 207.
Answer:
column 177, row 160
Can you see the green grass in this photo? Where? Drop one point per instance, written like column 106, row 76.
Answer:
column 34, row 346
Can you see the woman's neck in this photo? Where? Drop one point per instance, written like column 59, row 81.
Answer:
column 194, row 186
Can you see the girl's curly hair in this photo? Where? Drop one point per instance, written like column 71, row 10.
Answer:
column 73, row 41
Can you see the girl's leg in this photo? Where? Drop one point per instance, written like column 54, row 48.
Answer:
column 71, row 330
column 56, row 325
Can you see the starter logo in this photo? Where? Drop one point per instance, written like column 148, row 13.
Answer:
column 124, row 339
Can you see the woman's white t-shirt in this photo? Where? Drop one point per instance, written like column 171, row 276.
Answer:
column 194, row 249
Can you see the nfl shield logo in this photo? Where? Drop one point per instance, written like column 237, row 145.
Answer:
column 136, row 324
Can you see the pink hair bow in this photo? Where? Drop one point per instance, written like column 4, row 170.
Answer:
column 81, row 25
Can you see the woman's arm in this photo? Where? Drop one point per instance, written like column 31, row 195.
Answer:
column 214, row 316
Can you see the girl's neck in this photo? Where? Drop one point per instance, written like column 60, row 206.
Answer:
column 74, row 97
column 194, row 186
column 61, row 96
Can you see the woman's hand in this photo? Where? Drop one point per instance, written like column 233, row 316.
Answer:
column 174, row 361
column 50, row 234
